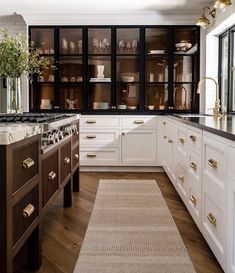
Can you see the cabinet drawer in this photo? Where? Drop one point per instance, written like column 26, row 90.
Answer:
column 65, row 161
column 181, row 180
column 100, row 157
column 194, row 166
column 50, row 179
column 99, row 121
column 25, row 164
column 75, row 156
column 99, row 138
column 139, row 122
column 24, row 214
column 214, row 159
column 195, row 140
column 194, row 203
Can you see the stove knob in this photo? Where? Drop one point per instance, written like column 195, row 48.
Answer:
column 50, row 139
column 56, row 136
column 61, row 135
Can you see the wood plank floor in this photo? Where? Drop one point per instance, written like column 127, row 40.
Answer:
column 64, row 229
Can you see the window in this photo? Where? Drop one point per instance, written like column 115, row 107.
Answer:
column 227, row 70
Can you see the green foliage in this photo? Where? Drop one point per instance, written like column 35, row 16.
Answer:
column 18, row 58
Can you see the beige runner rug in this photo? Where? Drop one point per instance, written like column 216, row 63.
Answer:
column 131, row 230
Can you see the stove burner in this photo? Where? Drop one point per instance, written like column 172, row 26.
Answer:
column 32, row 117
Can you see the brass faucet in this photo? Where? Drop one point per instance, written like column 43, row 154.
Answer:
column 216, row 109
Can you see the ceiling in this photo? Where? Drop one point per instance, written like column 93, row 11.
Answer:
column 8, row 7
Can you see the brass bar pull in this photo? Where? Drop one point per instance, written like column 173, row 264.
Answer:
column 193, row 199
column 193, row 138
column 27, row 212
column 181, row 178
column 28, row 163
column 170, row 141
column 213, row 163
column 66, row 160
column 212, row 219
column 181, row 140
column 139, row 121
column 91, row 155
column 165, row 137
column 76, row 156
column 51, row 176
column 91, row 121
column 91, row 136
column 164, row 123
column 193, row 165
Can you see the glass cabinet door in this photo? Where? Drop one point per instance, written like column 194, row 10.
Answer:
column 185, row 73
column 43, row 87
column 99, row 72
column 156, row 69
column 128, row 68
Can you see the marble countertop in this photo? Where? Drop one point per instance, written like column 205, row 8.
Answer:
column 223, row 126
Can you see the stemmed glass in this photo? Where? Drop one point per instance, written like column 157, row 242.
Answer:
column 134, row 45
column 106, row 44
column 121, row 46
column 95, row 44
column 128, row 46
column 79, row 46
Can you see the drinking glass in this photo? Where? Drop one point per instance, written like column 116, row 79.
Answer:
column 79, row 46
column 121, row 46
column 95, row 44
column 134, row 45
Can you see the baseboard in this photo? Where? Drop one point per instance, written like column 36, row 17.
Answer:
column 120, row 169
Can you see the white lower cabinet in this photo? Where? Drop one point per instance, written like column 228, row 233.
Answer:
column 139, row 147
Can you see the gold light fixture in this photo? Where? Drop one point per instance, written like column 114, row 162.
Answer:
column 221, row 4
column 203, row 21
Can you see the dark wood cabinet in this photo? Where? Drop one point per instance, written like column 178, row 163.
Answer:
column 124, row 69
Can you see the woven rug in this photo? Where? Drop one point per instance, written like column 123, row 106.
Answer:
column 131, row 230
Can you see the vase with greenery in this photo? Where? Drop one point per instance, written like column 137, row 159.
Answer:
column 17, row 59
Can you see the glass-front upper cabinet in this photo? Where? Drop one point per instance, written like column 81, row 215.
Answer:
column 99, row 74
column 128, row 68
column 43, row 88
column 156, row 68
column 185, row 65
column 70, row 68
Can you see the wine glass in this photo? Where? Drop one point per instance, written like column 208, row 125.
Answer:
column 134, row 45
column 121, row 46
column 107, row 44
column 79, row 46
column 95, row 44
column 128, row 46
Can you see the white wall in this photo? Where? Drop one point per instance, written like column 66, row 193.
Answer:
column 14, row 24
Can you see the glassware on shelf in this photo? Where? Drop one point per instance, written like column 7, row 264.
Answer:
column 128, row 46
column 95, row 44
column 72, row 103
column 64, row 46
column 100, row 69
column 72, row 47
column 79, row 46
column 121, row 46
column 134, row 45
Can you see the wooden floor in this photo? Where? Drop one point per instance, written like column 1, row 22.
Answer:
column 64, row 229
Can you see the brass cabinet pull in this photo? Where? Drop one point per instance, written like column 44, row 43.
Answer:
column 193, row 165
column 91, row 155
column 28, row 163
column 213, row 163
column 193, row 199
column 91, row 121
column 27, row 212
column 212, row 219
column 76, row 156
column 66, row 160
column 193, row 138
column 181, row 178
column 170, row 141
column 139, row 121
column 91, row 136
column 181, row 140
column 123, row 133
column 164, row 123
column 165, row 137
column 51, row 176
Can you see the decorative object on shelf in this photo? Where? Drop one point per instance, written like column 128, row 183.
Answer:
column 183, row 45
column 79, row 79
column 127, row 78
column 46, row 104
column 150, row 107
column 79, row 46
column 64, row 46
column 51, row 78
column 156, row 51
column 52, row 51
column 203, row 21
column 151, row 77
column 180, row 103
column 121, row 107
column 121, row 46
column 72, row 103
column 221, row 4
column 134, row 45
column 64, row 79
column 17, row 59
column 72, row 47
column 131, row 107
column 100, row 69
column 101, row 46
column 100, row 105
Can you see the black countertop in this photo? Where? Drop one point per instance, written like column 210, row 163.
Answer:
column 223, row 126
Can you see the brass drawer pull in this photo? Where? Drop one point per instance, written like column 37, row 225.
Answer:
column 193, row 138
column 76, row 156
column 181, row 178
column 66, row 160
column 193, row 165
column 165, row 137
column 181, row 140
column 139, row 121
column 170, row 141
column 164, row 123
column 91, row 136
column 212, row 219
column 27, row 212
column 28, row 163
column 91, row 121
column 193, row 199
column 91, row 155
column 213, row 163
column 51, row 176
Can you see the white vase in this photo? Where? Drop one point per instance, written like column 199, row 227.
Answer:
column 100, row 69
column 14, row 89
